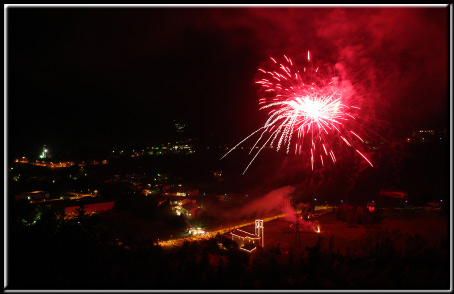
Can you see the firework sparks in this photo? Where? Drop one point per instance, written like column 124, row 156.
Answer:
column 307, row 107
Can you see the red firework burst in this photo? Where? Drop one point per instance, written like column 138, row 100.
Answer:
column 310, row 105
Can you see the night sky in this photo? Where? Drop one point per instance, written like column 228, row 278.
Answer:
column 115, row 76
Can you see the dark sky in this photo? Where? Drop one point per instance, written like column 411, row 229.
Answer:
column 116, row 76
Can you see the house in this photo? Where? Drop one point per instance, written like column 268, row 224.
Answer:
column 189, row 209
column 177, row 205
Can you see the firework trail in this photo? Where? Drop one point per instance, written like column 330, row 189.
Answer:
column 307, row 111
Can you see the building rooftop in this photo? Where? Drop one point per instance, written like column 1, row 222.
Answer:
column 244, row 234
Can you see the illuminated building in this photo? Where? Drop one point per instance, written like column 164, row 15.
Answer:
column 177, row 205
column 247, row 241
column 259, row 231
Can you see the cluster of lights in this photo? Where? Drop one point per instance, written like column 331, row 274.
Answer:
column 197, row 231
column 44, row 154
column 54, row 165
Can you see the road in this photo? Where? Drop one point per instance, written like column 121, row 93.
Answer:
column 227, row 228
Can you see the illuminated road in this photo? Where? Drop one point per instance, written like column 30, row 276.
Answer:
column 207, row 235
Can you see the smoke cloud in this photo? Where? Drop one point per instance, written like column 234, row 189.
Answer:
column 270, row 202
column 396, row 58
column 290, row 214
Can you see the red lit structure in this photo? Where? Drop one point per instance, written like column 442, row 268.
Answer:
column 393, row 193
column 68, row 209
column 92, row 208
column 392, row 198
column 371, row 206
